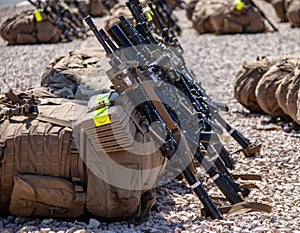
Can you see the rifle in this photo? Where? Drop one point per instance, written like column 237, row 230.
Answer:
column 165, row 13
column 79, row 7
column 201, row 101
column 262, row 14
column 154, row 111
column 56, row 15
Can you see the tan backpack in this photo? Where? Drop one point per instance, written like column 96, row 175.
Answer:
column 79, row 73
column 113, row 17
column 281, row 92
column 43, row 174
column 190, row 8
column 100, row 7
column 218, row 16
column 279, row 6
column 247, row 78
column 23, row 28
column 292, row 99
column 268, row 84
column 293, row 12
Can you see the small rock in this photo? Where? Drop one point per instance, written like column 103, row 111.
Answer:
column 7, row 231
column 11, row 218
column 20, row 220
column 80, row 224
column 80, row 231
column 255, row 223
column 23, row 230
column 93, row 224
column 153, row 230
column 46, row 222
column 45, row 230
column 33, row 222
column 32, row 228
column 11, row 225
column 72, row 230
column 64, row 224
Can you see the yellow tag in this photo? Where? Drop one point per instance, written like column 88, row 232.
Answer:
column 149, row 13
column 239, row 5
column 101, row 115
column 38, row 15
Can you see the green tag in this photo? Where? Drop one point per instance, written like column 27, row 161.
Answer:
column 239, row 5
column 38, row 15
column 149, row 13
column 101, row 115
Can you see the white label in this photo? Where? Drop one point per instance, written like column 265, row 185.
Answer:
column 154, row 78
column 127, row 81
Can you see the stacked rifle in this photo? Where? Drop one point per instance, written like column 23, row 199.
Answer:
column 59, row 14
column 164, row 12
column 179, row 116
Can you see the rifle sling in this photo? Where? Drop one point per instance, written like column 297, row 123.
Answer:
column 156, row 102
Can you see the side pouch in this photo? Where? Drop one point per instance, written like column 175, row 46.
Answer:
column 105, row 200
column 23, row 38
column 2, row 148
column 44, row 196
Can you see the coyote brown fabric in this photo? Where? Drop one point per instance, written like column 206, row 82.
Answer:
column 190, row 8
column 100, row 7
column 279, row 6
column 77, row 74
column 114, row 14
column 221, row 17
column 247, row 78
column 268, row 84
column 40, row 163
column 293, row 12
column 107, row 192
column 288, row 10
column 43, row 196
column 292, row 101
column 23, row 29
column 38, row 145
column 281, row 92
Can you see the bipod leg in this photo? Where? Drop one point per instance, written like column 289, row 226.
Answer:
column 213, row 138
column 230, row 193
column 215, row 159
column 249, row 149
column 209, row 206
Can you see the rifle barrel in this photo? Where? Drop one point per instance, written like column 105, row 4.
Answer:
column 99, row 37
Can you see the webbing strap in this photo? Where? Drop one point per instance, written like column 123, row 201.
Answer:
column 248, row 185
column 54, row 121
column 2, row 148
column 80, row 196
column 8, row 172
column 39, row 206
column 242, row 208
column 12, row 97
column 247, row 177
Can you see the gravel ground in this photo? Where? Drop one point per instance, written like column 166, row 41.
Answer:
column 215, row 60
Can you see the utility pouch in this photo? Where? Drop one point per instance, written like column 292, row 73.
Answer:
column 44, row 196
